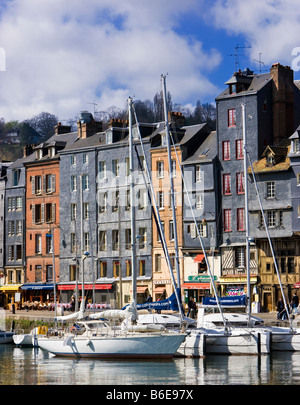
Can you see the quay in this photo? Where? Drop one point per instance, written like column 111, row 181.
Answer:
column 269, row 318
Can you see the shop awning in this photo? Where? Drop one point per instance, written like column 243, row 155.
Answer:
column 72, row 287
column 141, row 289
column 297, row 285
column 159, row 290
column 10, row 287
column 38, row 286
column 196, row 286
column 199, row 258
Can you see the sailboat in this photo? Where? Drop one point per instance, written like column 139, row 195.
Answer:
column 98, row 338
column 202, row 340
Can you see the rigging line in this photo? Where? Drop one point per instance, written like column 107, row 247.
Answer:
column 270, row 242
column 199, row 235
column 154, row 204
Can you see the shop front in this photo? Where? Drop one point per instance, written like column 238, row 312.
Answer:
column 11, row 295
column 197, row 287
column 104, row 293
column 37, row 293
column 236, row 285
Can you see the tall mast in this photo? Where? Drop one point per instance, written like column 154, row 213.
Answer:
column 163, row 78
column 132, row 205
column 246, row 213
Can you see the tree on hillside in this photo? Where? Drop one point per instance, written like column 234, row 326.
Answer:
column 28, row 135
column 43, row 124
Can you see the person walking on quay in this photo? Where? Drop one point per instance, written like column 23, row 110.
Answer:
column 280, row 308
column 295, row 302
column 192, row 308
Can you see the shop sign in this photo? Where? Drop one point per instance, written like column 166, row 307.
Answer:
column 200, row 278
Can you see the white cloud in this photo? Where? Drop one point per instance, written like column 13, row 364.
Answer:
column 61, row 55
column 270, row 27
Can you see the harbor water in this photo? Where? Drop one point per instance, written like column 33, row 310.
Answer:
column 33, row 366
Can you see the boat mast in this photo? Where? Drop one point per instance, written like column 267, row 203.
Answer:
column 246, row 213
column 271, row 246
column 132, row 205
column 163, row 79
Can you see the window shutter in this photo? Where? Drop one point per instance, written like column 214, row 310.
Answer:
column 33, row 184
column 33, row 214
column 53, row 183
column 193, row 231
column 42, row 212
column 53, row 212
column 44, row 185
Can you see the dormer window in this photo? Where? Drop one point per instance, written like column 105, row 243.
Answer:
column 270, row 160
column 109, row 138
column 39, row 154
column 52, row 151
column 296, row 146
column 163, row 139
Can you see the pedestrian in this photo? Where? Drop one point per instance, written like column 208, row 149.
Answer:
column 72, row 303
column 280, row 308
column 192, row 308
column 295, row 301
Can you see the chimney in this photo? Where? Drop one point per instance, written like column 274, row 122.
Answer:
column 28, row 149
column 176, row 119
column 117, row 123
column 62, row 129
column 87, row 126
column 283, row 101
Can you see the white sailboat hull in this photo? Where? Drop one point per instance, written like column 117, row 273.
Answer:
column 24, row 339
column 141, row 345
column 6, row 337
column 233, row 342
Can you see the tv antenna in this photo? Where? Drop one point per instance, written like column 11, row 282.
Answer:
column 237, row 54
column 94, row 104
column 259, row 62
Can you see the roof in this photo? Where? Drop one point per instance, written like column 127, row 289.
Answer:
column 206, row 152
column 281, row 163
column 257, row 82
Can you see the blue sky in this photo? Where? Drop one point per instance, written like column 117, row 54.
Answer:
column 61, row 55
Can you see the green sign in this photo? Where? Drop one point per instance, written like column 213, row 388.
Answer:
column 201, row 278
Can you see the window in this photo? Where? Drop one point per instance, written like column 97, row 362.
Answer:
column 11, row 228
column 240, row 257
column 128, row 239
column 163, row 230
column 296, row 146
column 49, row 183
column 73, row 160
column 102, row 241
column 11, row 254
column 226, row 184
column 116, row 268
column 142, row 267
column 73, row 183
column 270, row 160
column 158, row 262
column 85, row 158
column 173, row 168
column 271, row 218
column 226, row 150
column 232, row 117
column 239, row 145
column 102, row 202
column 50, row 212
column 38, row 244
column 73, row 243
column 199, row 201
column 15, row 177
column 240, row 183
column 103, row 269
column 18, row 252
column 102, row 170
column 86, row 241
column 85, row 181
column 298, row 211
column 49, row 272
column 161, row 198
column 73, row 212
column 18, row 203
column 298, row 179
column 19, row 227
column 115, row 167
column 199, row 174
column 38, row 213
column 36, row 185
column 142, row 194
column 85, row 211
column 227, row 220
column 160, row 169
column 143, row 238
column 115, row 239
column 49, row 244
column 38, row 273
column 115, row 200
column 72, row 272
column 270, row 189
column 128, row 268
column 240, row 219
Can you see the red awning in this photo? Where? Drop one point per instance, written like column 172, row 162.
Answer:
column 196, row 286
column 297, row 285
column 199, row 258
column 86, row 286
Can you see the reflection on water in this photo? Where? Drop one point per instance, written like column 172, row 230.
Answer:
column 28, row 366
